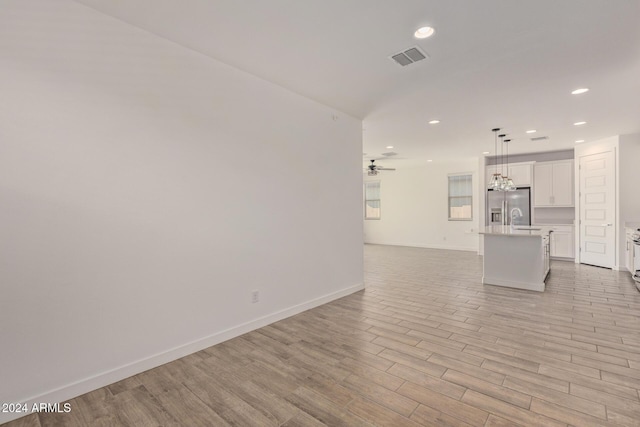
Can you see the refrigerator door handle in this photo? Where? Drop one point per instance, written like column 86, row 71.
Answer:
column 507, row 220
column 505, row 212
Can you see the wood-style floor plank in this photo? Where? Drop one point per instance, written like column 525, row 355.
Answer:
column 424, row 344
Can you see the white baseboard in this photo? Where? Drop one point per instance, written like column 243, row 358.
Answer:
column 427, row 246
column 102, row 379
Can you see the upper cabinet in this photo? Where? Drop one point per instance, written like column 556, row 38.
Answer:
column 520, row 173
column 553, row 184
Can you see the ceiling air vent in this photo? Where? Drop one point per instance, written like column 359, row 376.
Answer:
column 409, row 56
column 390, row 154
column 539, row 138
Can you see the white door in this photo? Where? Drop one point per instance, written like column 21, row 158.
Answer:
column 597, row 209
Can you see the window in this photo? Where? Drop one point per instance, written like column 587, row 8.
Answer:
column 372, row 200
column 460, row 197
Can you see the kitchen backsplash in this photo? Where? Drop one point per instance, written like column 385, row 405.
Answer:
column 553, row 215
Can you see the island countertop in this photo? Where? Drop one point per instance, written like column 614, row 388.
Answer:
column 518, row 231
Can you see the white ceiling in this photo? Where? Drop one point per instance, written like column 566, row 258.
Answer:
column 493, row 63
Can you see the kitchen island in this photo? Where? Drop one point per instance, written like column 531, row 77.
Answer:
column 516, row 257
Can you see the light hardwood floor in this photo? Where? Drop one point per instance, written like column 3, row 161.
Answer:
column 425, row 344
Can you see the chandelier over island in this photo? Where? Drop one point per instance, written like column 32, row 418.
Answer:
column 499, row 181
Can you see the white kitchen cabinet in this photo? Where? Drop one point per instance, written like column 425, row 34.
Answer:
column 562, row 183
column 562, row 241
column 546, row 255
column 629, row 250
column 553, row 184
column 542, row 184
column 520, row 173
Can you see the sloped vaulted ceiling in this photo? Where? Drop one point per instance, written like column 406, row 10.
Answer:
column 491, row 63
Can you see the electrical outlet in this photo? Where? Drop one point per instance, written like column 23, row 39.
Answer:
column 255, row 296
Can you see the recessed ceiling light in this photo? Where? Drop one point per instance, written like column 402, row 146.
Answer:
column 389, row 146
column 485, row 152
column 580, row 141
column 579, row 91
column 531, row 131
column 579, row 123
column 424, row 32
column 429, row 160
column 434, row 122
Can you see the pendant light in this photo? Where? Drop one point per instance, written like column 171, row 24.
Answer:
column 495, row 183
column 504, row 173
column 508, row 182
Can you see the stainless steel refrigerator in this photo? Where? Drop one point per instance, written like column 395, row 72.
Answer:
column 500, row 204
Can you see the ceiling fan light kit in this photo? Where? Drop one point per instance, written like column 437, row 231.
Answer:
column 372, row 169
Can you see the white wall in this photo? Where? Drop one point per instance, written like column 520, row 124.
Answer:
column 414, row 208
column 145, row 191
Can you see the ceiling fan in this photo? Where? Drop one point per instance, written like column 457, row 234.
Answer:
column 373, row 169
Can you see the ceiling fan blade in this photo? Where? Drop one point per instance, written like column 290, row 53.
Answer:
column 385, row 169
column 384, row 158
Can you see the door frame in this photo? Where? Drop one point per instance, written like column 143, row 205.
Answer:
column 582, row 150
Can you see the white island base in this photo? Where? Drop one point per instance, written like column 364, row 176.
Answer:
column 516, row 258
